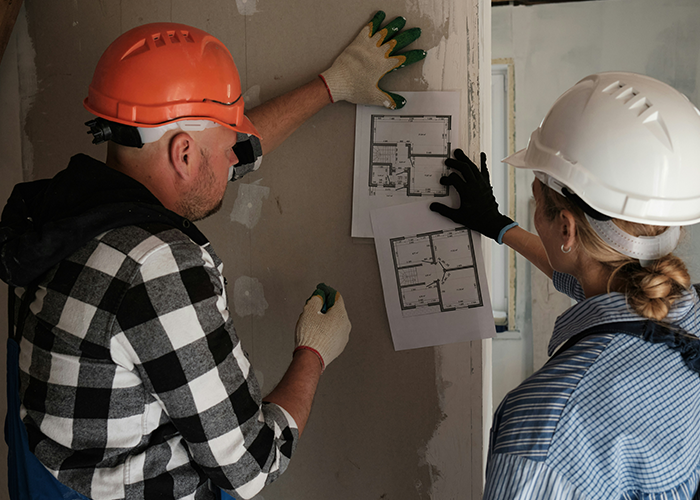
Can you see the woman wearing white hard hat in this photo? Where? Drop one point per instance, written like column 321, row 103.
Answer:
column 615, row 413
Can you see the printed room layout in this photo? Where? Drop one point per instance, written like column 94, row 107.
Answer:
column 407, row 155
column 436, row 272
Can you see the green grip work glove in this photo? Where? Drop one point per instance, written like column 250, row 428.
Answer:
column 478, row 208
column 323, row 327
column 355, row 74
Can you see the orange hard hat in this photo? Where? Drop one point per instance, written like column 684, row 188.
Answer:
column 166, row 72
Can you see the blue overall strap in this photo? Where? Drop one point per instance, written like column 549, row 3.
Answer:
column 650, row 331
column 28, row 479
column 226, row 496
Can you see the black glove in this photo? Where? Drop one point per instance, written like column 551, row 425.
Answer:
column 478, row 207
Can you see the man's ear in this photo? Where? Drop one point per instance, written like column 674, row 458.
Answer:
column 183, row 155
column 567, row 228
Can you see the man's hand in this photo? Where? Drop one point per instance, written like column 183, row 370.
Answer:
column 355, row 74
column 323, row 327
column 478, row 208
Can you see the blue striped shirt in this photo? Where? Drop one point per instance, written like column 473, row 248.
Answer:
column 612, row 417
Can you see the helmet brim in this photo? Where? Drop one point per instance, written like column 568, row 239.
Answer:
column 517, row 159
column 245, row 127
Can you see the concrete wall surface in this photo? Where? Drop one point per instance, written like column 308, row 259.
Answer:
column 385, row 424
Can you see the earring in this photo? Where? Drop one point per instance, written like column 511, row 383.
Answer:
column 565, row 250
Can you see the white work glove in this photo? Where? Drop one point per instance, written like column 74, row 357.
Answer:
column 355, row 74
column 323, row 327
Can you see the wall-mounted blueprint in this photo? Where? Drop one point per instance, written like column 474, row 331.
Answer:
column 436, row 272
column 400, row 154
column 433, row 279
column 407, row 155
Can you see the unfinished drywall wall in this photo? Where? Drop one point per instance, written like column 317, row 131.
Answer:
column 384, row 424
column 553, row 47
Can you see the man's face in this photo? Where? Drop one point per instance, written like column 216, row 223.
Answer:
column 206, row 194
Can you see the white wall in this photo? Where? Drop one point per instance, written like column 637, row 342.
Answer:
column 554, row 46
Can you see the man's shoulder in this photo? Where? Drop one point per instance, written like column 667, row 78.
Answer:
column 141, row 240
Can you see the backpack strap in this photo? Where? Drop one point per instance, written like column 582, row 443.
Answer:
column 676, row 339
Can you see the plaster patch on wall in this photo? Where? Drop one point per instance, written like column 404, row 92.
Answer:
column 247, row 7
column 439, row 13
column 251, row 97
column 450, row 452
column 434, row 65
column 249, row 297
column 248, row 205
column 440, row 37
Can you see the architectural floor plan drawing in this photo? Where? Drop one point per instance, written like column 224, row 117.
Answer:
column 436, row 272
column 400, row 153
column 433, row 277
column 407, row 154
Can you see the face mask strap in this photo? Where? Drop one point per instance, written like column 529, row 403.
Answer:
column 645, row 248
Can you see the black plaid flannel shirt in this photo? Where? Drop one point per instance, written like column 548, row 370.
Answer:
column 133, row 381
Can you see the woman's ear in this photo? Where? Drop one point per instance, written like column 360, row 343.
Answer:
column 182, row 155
column 567, row 228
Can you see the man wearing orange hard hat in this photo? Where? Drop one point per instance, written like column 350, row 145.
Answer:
column 131, row 382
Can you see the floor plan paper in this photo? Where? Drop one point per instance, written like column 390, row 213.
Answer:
column 432, row 273
column 400, row 154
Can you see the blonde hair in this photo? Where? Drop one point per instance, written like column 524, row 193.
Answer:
column 650, row 291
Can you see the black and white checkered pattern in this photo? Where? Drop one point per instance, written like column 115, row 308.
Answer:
column 133, row 382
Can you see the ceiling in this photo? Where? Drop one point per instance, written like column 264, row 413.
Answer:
column 496, row 3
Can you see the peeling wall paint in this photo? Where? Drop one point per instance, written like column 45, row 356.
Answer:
column 248, row 205
column 249, row 297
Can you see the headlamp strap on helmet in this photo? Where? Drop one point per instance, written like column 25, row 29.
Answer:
column 104, row 130
column 645, row 248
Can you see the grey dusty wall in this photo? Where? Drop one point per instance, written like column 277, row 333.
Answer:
column 384, row 424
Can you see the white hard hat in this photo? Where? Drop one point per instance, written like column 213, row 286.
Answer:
column 626, row 144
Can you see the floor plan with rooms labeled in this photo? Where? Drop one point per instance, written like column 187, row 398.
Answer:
column 407, row 155
column 436, row 272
